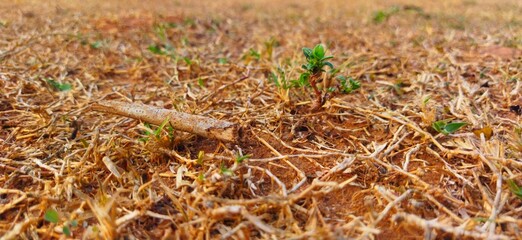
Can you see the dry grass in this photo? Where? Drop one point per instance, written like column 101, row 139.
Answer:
column 368, row 165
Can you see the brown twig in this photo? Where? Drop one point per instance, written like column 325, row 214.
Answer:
column 199, row 125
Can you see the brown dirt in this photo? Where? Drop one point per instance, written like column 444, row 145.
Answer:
column 332, row 174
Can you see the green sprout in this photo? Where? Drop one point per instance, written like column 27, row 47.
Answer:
column 201, row 155
column 225, row 171
column 316, row 61
column 446, row 128
column 383, row 15
column 348, row 85
column 52, row 216
column 58, row 86
column 156, row 133
column 515, row 189
column 240, row 158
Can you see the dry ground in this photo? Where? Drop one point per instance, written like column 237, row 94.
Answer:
column 367, row 165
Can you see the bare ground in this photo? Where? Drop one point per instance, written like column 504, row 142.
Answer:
column 368, row 165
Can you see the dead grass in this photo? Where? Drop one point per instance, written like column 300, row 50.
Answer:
column 368, row 165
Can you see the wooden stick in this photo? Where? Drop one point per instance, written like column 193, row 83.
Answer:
column 199, row 125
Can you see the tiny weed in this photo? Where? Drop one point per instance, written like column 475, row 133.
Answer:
column 201, row 155
column 383, row 15
column 240, row 158
column 254, row 54
column 201, row 82
column 223, row 60
column 225, row 171
column 515, row 189
column 51, row 216
column 316, row 61
column 446, row 128
column 348, row 85
column 97, row 44
column 165, row 50
column 157, row 133
column 269, row 47
column 58, row 86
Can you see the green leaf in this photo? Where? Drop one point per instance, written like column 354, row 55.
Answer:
column 226, row 171
column 329, row 64
column 446, row 128
column 96, row 44
column 354, row 84
column 453, row 127
column 241, row 158
column 326, row 58
column 59, row 86
column 74, row 223
column 66, row 231
column 319, row 51
column 201, row 155
column 380, row 16
column 348, row 85
column 201, row 82
column 222, row 60
column 156, row 49
column 439, row 125
column 515, row 189
column 307, row 52
column 158, row 130
column 254, row 54
column 187, row 60
column 51, row 216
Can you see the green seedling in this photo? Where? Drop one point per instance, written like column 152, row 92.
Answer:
column 165, row 50
column 316, row 61
column 314, row 68
column 446, row 128
column 96, row 44
column 240, row 158
column 254, row 54
column 383, row 15
column 157, row 133
column 279, row 79
column 201, row 82
column 58, row 86
column 348, row 85
column 515, row 189
column 52, row 216
column 225, row 171
column 201, row 155
column 223, row 60
column 269, row 47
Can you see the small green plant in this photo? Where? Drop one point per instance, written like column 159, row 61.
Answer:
column 515, row 189
column 446, row 128
column 165, row 50
column 97, row 44
column 157, row 133
column 52, row 216
column 316, row 61
column 225, row 171
column 58, row 86
column 201, row 155
column 254, row 54
column 348, row 85
column 240, row 158
column 383, row 15
column 223, row 60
